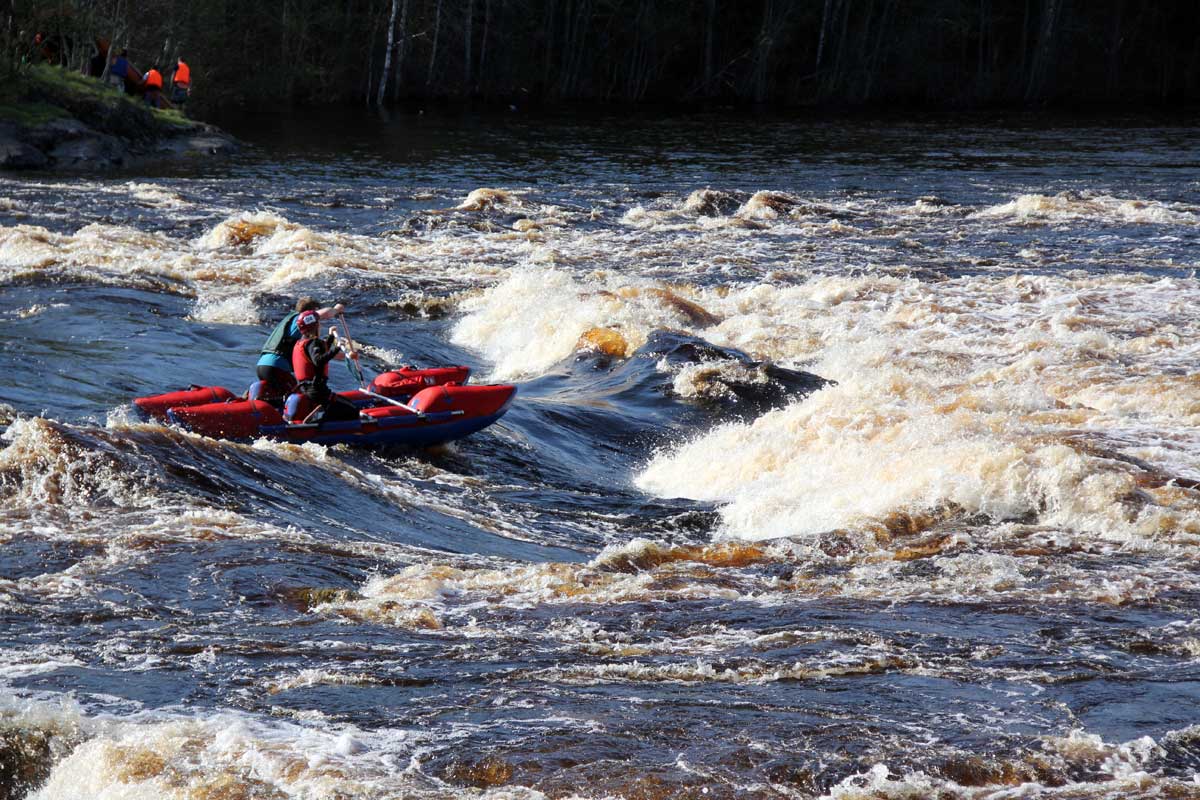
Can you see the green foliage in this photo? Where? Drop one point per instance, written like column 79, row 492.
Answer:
column 59, row 81
column 173, row 118
column 31, row 115
column 43, row 93
column 78, row 95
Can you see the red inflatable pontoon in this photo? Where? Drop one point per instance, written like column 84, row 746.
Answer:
column 408, row 406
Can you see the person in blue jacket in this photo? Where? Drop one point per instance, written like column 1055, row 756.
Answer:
column 123, row 73
column 275, row 363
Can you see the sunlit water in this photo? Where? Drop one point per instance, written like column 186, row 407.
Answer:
column 851, row 459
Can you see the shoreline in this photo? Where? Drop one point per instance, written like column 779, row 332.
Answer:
column 54, row 119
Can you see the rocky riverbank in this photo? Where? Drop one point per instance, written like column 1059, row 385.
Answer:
column 54, row 119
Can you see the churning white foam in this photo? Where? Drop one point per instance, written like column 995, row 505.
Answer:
column 1072, row 206
column 964, row 395
column 235, row 310
column 229, row 755
column 151, row 194
column 1015, row 397
column 537, row 317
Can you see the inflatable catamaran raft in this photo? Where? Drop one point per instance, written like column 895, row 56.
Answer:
column 409, row 406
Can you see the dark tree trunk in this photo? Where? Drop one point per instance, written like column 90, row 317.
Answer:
column 401, row 47
column 467, row 37
column 709, row 26
column 387, row 55
column 843, row 28
column 873, row 66
column 825, row 17
column 487, row 24
column 548, row 41
column 1044, row 50
column 433, row 51
column 762, row 54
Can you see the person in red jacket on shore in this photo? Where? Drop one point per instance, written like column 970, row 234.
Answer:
column 310, row 361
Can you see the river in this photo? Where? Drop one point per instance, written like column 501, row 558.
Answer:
column 852, row 458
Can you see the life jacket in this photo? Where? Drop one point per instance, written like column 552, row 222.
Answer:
column 183, row 75
column 153, row 79
column 305, row 369
column 280, row 343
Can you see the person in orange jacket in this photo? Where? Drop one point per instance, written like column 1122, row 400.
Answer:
column 181, row 83
column 152, row 84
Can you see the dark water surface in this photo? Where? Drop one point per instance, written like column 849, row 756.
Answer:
column 680, row 566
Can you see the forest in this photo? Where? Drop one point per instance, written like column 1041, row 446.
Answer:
column 928, row 54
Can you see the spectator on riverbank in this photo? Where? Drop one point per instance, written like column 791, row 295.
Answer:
column 50, row 48
column 152, row 84
column 122, row 73
column 181, row 84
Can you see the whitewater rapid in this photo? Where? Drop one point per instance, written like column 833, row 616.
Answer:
column 830, row 480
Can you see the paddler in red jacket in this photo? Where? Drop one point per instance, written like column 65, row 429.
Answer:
column 275, row 362
column 310, row 361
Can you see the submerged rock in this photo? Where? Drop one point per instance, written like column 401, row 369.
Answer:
column 712, row 203
column 485, row 199
column 28, row 752
column 671, row 363
column 720, row 376
column 691, row 312
column 24, row 761
column 94, row 151
column 608, row 341
column 57, row 132
column 767, row 205
column 306, row 598
column 481, row 773
column 208, row 141
column 17, row 154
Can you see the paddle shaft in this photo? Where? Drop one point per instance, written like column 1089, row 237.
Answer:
column 362, row 383
column 413, row 409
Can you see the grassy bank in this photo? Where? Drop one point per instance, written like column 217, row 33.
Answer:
column 42, row 94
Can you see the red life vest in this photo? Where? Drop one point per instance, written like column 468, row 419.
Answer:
column 183, row 75
column 153, row 79
column 304, row 368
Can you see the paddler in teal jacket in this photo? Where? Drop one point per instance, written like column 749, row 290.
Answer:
column 275, row 363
